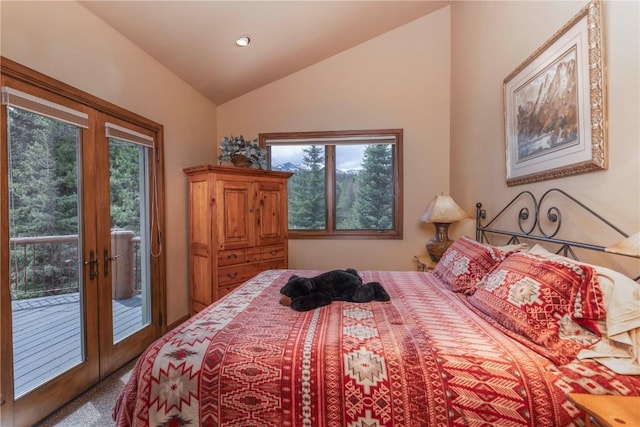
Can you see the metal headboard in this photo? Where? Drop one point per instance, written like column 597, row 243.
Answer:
column 530, row 222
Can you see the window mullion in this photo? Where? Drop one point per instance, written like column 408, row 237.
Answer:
column 330, row 182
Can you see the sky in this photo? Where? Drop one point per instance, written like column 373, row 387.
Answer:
column 349, row 157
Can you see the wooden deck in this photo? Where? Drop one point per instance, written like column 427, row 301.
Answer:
column 47, row 339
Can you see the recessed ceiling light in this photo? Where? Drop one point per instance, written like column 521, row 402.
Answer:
column 243, row 41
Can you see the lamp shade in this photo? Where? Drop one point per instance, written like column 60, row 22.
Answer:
column 443, row 209
column 629, row 246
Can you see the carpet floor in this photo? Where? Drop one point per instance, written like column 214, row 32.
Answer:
column 92, row 408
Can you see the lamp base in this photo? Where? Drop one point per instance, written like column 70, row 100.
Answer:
column 436, row 248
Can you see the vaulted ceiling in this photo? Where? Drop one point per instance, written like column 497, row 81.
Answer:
column 196, row 39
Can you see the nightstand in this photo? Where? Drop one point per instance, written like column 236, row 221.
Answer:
column 606, row 410
column 424, row 262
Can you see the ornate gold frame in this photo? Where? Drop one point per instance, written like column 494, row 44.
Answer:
column 583, row 33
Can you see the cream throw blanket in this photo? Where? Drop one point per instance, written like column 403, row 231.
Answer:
column 619, row 349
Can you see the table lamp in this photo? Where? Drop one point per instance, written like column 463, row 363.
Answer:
column 442, row 211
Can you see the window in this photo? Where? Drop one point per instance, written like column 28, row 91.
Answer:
column 345, row 184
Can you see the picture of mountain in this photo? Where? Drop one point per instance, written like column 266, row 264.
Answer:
column 547, row 109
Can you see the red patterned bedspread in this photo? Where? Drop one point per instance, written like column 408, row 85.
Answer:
column 423, row 359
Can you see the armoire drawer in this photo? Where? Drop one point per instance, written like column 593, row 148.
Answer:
column 272, row 252
column 254, row 254
column 243, row 272
column 232, row 257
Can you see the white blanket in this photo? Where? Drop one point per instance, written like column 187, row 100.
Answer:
column 619, row 349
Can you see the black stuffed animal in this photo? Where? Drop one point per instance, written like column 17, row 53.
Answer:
column 307, row 293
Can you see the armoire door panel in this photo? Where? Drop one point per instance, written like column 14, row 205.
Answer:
column 199, row 216
column 270, row 213
column 235, row 212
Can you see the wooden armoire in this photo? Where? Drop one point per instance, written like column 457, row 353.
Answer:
column 237, row 228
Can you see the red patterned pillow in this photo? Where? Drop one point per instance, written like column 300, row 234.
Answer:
column 588, row 300
column 466, row 262
column 533, row 297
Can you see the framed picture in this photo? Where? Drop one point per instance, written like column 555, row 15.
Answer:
column 554, row 104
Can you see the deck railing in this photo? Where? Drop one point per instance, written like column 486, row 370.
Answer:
column 48, row 265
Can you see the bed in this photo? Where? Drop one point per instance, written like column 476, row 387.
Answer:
column 458, row 346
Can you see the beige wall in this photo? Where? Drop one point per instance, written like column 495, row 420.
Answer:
column 489, row 40
column 84, row 52
column 397, row 80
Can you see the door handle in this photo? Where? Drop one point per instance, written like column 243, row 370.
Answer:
column 93, row 265
column 107, row 260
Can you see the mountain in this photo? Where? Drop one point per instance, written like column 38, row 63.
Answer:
column 291, row 167
column 285, row 167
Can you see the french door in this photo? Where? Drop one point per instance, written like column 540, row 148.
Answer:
column 81, row 245
column 126, row 225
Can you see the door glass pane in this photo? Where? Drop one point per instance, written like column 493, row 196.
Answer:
column 45, row 248
column 129, row 194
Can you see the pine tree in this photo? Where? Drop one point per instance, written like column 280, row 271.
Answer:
column 346, row 192
column 307, row 192
column 67, row 201
column 124, row 174
column 43, row 194
column 375, row 188
column 43, row 175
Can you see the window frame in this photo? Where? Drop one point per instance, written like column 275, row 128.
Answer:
column 344, row 137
